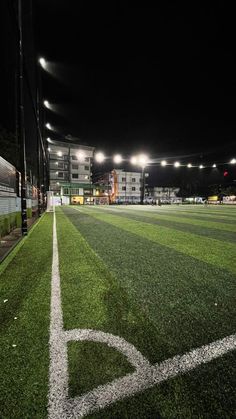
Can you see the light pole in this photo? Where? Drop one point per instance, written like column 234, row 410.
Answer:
column 142, row 161
column 21, row 121
column 143, row 185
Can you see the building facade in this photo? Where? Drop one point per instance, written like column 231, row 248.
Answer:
column 163, row 194
column 70, row 168
column 125, row 187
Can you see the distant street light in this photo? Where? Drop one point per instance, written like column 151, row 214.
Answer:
column 142, row 160
column 163, row 163
column 134, row 160
column 214, row 165
column 233, row 161
column 46, row 103
column 201, row 166
column 99, row 157
column 48, row 126
column 42, row 62
column 189, row 165
column 177, row 164
column 117, row 159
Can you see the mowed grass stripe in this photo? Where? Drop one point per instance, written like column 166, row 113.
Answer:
column 226, row 236
column 198, row 215
column 24, row 318
column 183, row 292
column 206, row 249
column 192, row 221
column 176, row 293
column 92, row 296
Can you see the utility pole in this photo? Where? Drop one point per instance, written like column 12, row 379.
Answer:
column 39, row 156
column 143, row 185
column 21, row 123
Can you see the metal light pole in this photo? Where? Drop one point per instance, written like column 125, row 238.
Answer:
column 39, row 157
column 21, row 123
column 143, row 185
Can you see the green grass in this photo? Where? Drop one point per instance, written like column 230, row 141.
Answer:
column 206, row 249
column 83, row 356
column 159, row 218
column 161, row 278
column 25, row 283
column 163, row 296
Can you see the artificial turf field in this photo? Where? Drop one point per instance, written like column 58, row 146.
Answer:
column 162, row 278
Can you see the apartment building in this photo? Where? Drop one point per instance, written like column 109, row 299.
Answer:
column 125, row 187
column 70, row 170
column 163, row 194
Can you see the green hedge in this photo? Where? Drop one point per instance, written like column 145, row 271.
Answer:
column 10, row 221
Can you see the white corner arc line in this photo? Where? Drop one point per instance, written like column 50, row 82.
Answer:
column 60, row 406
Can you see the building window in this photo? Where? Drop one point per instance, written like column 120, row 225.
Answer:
column 133, row 179
column 86, row 159
column 60, row 165
column 123, row 179
column 133, row 188
column 74, row 158
column 123, row 188
column 75, row 166
column 75, row 176
column 86, row 167
column 60, row 174
column 140, row 188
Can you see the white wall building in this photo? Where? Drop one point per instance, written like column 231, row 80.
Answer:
column 166, row 194
column 125, row 186
column 70, row 167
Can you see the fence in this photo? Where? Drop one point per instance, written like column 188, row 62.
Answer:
column 10, row 201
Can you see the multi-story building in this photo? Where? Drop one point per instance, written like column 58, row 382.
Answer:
column 125, row 187
column 163, row 194
column 70, row 170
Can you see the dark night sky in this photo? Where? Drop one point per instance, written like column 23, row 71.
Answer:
column 141, row 77
column 130, row 77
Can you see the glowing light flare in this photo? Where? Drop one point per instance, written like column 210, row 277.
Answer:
column 99, row 157
column 80, row 155
column 214, row 165
column 233, row 161
column 59, row 153
column 177, row 164
column 201, row 166
column 42, row 62
column 134, row 160
column 46, row 104
column 163, row 163
column 48, row 126
column 117, row 159
column 142, row 160
column 189, row 165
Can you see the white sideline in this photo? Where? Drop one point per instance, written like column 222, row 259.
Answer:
column 60, row 406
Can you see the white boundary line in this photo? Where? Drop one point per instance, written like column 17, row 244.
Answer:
column 60, row 406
